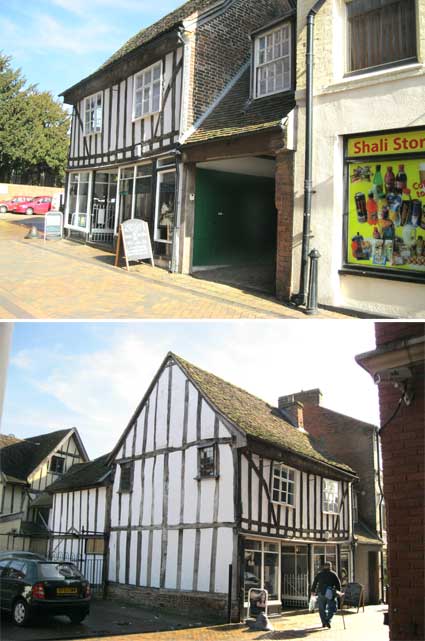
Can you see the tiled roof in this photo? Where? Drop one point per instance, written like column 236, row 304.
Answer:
column 82, row 475
column 8, row 439
column 256, row 417
column 163, row 25
column 20, row 458
column 364, row 535
column 236, row 114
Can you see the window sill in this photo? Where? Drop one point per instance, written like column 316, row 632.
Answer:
column 353, row 270
column 288, row 90
column 365, row 79
column 148, row 115
column 92, row 133
column 206, row 478
column 284, row 504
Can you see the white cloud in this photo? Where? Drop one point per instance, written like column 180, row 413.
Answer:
column 24, row 359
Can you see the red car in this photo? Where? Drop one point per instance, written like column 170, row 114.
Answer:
column 38, row 205
column 8, row 205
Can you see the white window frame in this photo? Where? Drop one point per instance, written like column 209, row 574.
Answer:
column 136, row 91
column 326, row 505
column 89, row 195
column 158, row 177
column 289, row 470
column 263, row 552
column 259, row 65
column 96, row 129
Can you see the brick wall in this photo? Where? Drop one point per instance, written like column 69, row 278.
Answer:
column 352, row 442
column 201, row 603
column 285, row 216
column 403, row 459
column 221, row 46
column 9, row 190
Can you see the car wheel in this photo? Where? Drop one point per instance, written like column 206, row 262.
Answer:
column 3, row 210
column 20, row 612
column 29, row 211
column 77, row 617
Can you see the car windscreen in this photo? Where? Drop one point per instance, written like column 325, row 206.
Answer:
column 59, row 571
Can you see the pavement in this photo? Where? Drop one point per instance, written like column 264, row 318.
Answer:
column 114, row 621
column 60, row 279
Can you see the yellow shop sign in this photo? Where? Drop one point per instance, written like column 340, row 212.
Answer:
column 405, row 142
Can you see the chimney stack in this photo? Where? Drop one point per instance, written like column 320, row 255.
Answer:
column 293, row 409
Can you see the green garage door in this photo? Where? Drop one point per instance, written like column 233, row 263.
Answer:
column 235, row 219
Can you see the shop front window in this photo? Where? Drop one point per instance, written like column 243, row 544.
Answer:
column 344, row 566
column 385, row 219
column 165, row 206
column 126, row 193
column 271, row 570
column 262, row 567
column 143, row 193
column 323, row 554
column 78, row 199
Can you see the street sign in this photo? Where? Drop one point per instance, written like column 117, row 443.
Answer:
column 53, row 225
column 135, row 240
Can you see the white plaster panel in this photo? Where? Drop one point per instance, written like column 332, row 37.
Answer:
column 151, row 421
column 167, row 107
column 207, row 421
column 105, row 124
column 123, row 555
column 101, row 510
column 223, row 432
column 112, row 556
column 113, row 143
column 162, row 411
column 177, row 407
column 298, row 511
column 304, row 506
column 158, row 489
column 244, row 483
column 255, row 489
column 190, row 485
column 171, row 569
column 133, row 559
column 136, row 494
column 92, row 507
column 84, row 508
column 156, row 559
column 224, row 558
column 140, row 432
column 174, row 487
column 77, row 514
column 188, row 558
column 147, row 494
column 125, row 506
column 205, row 560
column 129, row 107
column 207, row 487
column 144, row 558
column 121, row 115
column 191, row 424
column 148, row 129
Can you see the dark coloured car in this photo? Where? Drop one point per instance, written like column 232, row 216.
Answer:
column 30, row 588
column 22, row 555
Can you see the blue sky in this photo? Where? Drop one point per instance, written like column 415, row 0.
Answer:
column 92, row 375
column 56, row 43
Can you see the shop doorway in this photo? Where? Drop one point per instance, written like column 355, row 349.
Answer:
column 102, row 222
column 294, row 576
column 235, row 223
column 373, row 577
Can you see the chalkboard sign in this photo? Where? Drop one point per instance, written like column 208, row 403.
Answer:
column 136, row 243
column 353, row 595
column 53, row 224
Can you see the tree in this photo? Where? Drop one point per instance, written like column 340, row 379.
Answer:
column 33, row 129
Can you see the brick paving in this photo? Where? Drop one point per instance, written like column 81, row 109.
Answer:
column 364, row 626
column 63, row 279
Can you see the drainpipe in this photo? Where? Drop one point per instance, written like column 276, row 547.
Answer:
column 300, row 298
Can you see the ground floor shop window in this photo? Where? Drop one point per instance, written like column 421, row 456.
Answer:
column 385, row 213
column 165, row 206
column 262, row 567
column 143, row 193
column 345, row 566
column 78, row 200
column 126, row 193
column 104, row 206
column 323, row 554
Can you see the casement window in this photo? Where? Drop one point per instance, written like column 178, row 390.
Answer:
column 283, row 490
column 147, row 91
column 57, row 464
column 93, row 106
column 380, row 32
column 272, row 57
column 207, row 462
column 330, row 498
column 126, row 478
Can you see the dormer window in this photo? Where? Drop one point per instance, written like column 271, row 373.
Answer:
column 57, row 464
column 93, row 107
column 272, row 56
column 147, row 91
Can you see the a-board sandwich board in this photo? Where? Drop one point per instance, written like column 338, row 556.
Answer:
column 353, row 596
column 53, row 225
column 134, row 242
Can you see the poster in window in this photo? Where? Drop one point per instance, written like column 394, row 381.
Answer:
column 386, row 203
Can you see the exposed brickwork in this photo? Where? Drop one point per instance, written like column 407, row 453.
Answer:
column 354, row 443
column 285, row 216
column 186, row 602
column 403, row 458
column 222, row 45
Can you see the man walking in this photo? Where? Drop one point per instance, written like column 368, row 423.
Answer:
column 326, row 584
